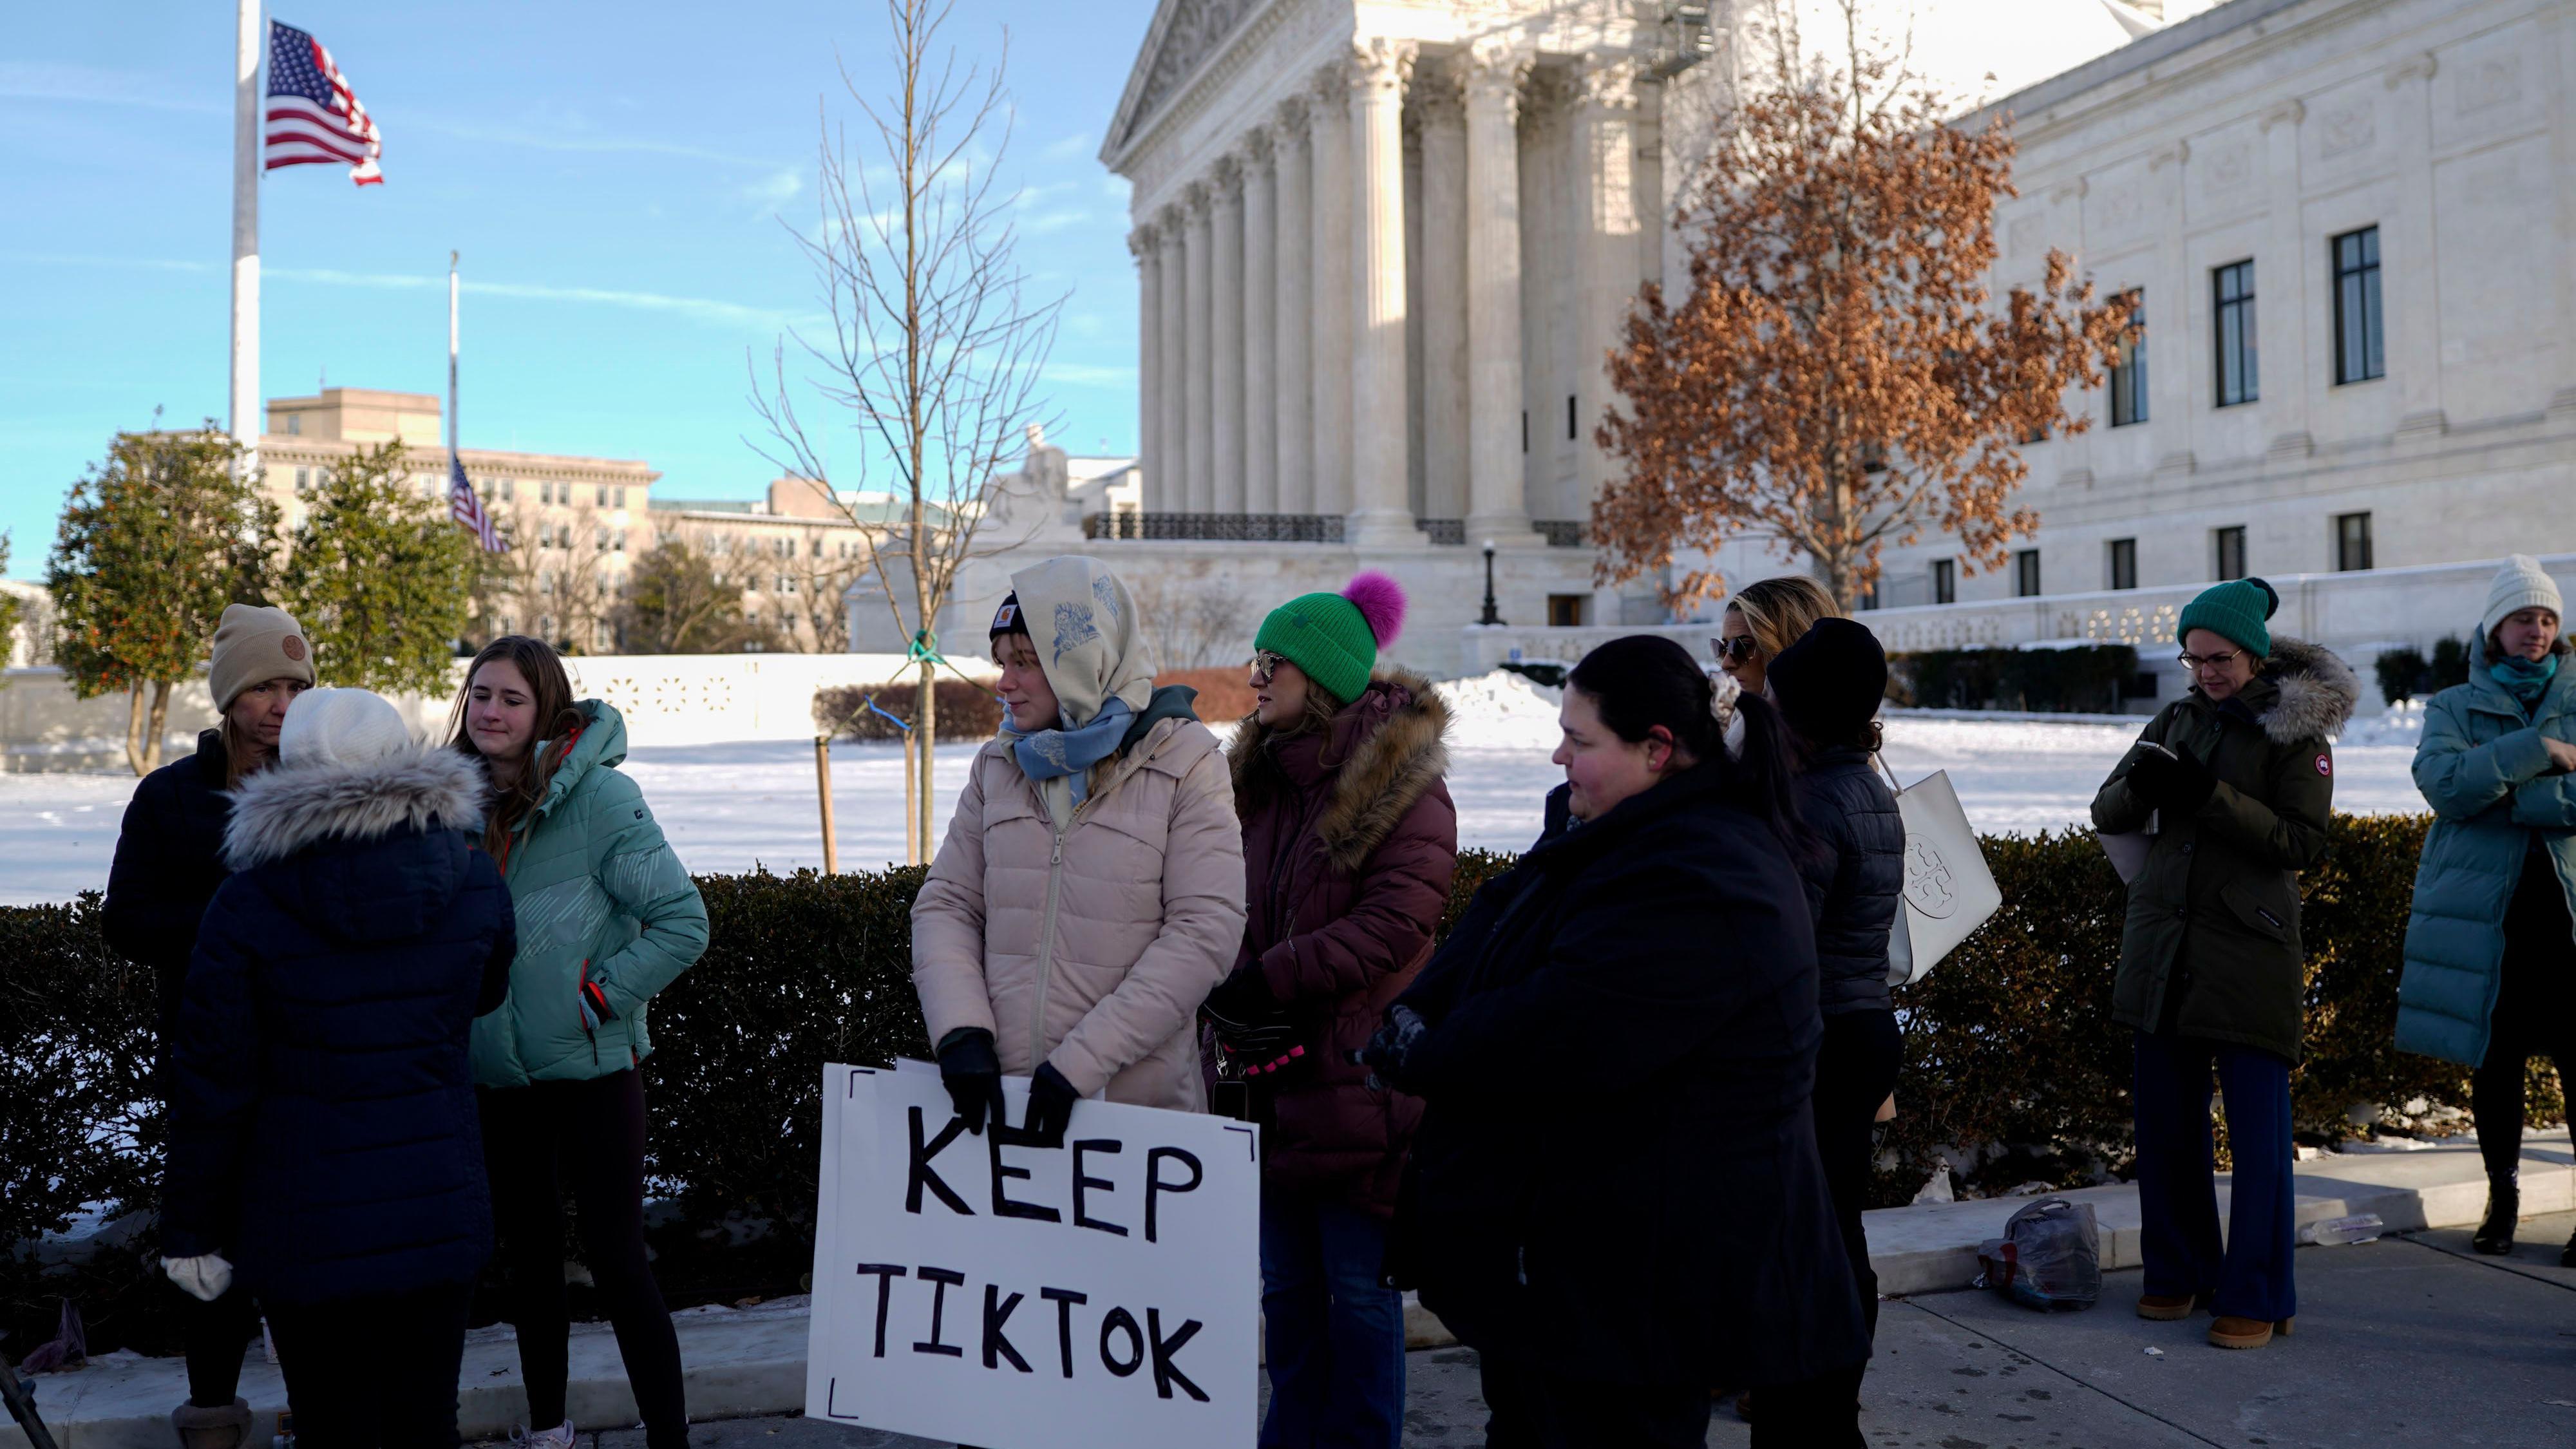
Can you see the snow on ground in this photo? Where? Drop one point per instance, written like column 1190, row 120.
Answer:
column 736, row 807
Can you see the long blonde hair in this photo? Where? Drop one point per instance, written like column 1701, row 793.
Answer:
column 1779, row 612
column 557, row 716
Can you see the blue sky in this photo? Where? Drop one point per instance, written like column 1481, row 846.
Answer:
column 618, row 176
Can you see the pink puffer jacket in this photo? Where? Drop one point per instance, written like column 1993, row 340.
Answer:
column 1092, row 950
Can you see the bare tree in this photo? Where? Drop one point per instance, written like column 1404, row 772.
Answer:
column 1194, row 621
column 556, row 568
column 935, row 347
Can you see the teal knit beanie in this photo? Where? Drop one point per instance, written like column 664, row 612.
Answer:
column 2234, row 611
column 1334, row 638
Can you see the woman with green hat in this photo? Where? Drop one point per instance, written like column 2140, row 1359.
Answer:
column 2234, row 781
column 1349, row 842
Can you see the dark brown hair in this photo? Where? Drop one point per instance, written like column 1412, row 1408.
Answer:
column 1644, row 680
column 557, row 717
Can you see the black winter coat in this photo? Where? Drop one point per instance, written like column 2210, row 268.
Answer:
column 1852, row 894
column 323, row 1130
column 1616, row 1173
column 169, row 860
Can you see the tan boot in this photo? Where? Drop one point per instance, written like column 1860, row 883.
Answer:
column 199, row 1428
column 2168, row 1307
column 2230, row 1331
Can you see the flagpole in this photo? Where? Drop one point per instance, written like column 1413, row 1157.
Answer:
column 249, row 47
column 452, row 433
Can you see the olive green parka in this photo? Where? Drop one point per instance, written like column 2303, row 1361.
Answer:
column 2211, row 950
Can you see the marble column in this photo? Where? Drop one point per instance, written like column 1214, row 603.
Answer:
column 1198, row 377
column 1443, row 290
column 1171, row 495
column 1260, row 316
column 2281, row 375
column 1605, row 249
column 1292, row 258
column 1380, row 513
column 1225, row 337
column 1141, row 244
column 1328, row 250
column 2408, row 258
column 1497, row 502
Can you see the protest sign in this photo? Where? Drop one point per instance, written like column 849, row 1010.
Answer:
column 983, row 1290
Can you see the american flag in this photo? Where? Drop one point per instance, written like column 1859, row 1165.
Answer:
column 467, row 509
column 312, row 114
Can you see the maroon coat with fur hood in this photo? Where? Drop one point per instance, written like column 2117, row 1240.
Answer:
column 1349, row 842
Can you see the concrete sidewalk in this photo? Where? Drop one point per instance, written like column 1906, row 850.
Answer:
column 744, row 1362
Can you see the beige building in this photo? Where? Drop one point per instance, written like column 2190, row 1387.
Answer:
column 793, row 553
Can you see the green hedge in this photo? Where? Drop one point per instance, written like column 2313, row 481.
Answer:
column 2013, row 1069
column 2081, row 679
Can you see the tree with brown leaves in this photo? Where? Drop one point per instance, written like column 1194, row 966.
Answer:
column 1837, row 376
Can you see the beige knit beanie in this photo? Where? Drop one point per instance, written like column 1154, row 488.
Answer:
column 253, row 644
column 2521, row 584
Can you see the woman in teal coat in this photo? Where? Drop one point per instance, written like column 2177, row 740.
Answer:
column 2491, row 944
column 607, row 917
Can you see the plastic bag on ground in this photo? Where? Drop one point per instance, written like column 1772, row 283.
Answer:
column 2049, row 1257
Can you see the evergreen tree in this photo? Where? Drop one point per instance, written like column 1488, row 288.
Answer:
column 9, row 606
column 152, row 545
column 679, row 602
column 381, row 577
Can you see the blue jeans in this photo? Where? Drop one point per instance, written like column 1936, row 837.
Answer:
column 1334, row 1333
column 2177, row 1185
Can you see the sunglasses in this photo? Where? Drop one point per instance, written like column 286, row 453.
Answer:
column 2219, row 660
column 1265, row 663
column 1738, row 647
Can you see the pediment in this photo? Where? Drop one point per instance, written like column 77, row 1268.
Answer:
column 1185, row 35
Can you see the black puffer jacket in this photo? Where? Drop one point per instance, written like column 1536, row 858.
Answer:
column 1854, row 892
column 169, row 860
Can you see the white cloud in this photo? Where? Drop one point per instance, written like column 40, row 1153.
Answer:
column 775, row 190
column 1067, row 148
column 1051, row 221
column 1077, row 374
column 57, row 81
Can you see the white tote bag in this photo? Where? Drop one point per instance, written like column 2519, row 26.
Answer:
column 1948, row 890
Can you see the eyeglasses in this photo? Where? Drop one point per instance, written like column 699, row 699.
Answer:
column 1265, row 663
column 1738, row 647
column 2219, row 660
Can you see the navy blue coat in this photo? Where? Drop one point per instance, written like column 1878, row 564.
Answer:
column 1852, row 893
column 1616, row 1174
column 169, row 860
column 323, row 1128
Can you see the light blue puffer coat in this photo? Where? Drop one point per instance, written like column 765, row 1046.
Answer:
column 2482, row 767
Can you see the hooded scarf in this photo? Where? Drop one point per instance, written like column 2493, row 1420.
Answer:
column 1082, row 622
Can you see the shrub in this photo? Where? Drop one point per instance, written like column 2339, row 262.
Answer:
column 2450, row 665
column 2403, row 674
column 966, row 711
column 2059, row 681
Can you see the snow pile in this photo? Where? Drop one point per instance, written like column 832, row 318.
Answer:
column 1501, row 711
column 2402, row 724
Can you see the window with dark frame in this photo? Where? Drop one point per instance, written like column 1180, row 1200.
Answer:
column 2123, row 563
column 2352, row 542
column 1569, row 417
column 2230, row 549
column 1945, row 581
column 1565, row 611
column 2360, row 350
column 2129, row 373
column 2026, row 573
column 2232, row 314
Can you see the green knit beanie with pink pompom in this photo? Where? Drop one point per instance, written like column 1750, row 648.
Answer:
column 1334, row 638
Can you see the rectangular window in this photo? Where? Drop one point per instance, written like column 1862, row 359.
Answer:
column 2352, row 542
column 546, row 491
column 2129, row 373
column 2026, row 573
column 1525, row 430
column 2359, row 351
column 602, row 499
column 1945, row 581
column 1565, row 611
column 1569, row 417
column 2232, row 308
column 621, row 497
column 303, row 480
column 295, row 425
column 2230, row 562
column 818, row 545
column 2122, row 563
column 1869, row 596
column 508, row 491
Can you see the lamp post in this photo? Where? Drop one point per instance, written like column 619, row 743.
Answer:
column 1490, row 617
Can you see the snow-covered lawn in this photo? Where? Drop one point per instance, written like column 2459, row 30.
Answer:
column 736, row 807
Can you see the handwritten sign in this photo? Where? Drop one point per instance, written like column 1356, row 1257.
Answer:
column 982, row 1290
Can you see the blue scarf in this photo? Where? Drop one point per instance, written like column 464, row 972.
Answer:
column 2525, row 679
column 1070, row 754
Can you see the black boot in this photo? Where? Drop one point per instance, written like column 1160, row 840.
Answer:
column 2504, row 1204
column 2567, row 1255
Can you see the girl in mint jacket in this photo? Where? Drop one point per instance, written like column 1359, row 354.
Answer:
column 2491, row 942
column 607, row 918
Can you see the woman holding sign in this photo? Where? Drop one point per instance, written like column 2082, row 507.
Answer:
column 1614, row 1225
column 2235, row 784
column 1349, row 839
column 1090, row 891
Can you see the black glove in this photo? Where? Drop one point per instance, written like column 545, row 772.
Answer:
column 1249, row 1021
column 1051, row 1100
column 2175, row 782
column 973, row 1075
column 1391, row 1049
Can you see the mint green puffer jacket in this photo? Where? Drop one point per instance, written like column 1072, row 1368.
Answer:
column 598, row 894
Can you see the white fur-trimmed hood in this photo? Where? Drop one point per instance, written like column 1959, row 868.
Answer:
column 287, row 807
column 2318, row 692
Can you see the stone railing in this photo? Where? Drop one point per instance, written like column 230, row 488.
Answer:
column 1216, row 527
column 1560, row 532
column 1443, row 532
